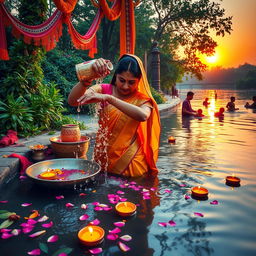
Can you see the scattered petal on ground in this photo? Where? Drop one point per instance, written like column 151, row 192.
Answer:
column 47, row 225
column 162, row 224
column 172, row 223
column 187, row 197
column 38, row 233
column 124, row 247
column 120, row 192
column 214, row 202
column 126, row 238
column 95, row 222
column 119, row 224
column 53, row 239
column 4, row 201
column 26, row 204
column 84, row 217
column 69, row 205
column 6, row 235
column 16, row 232
column 182, row 185
column 59, row 197
column 35, row 252
column 167, row 191
column 44, row 218
column 34, row 214
column 112, row 236
column 115, row 231
column 82, row 194
column 84, row 206
column 199, row 214
column 95, row 250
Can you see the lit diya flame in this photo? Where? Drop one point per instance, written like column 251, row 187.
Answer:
column 233, row 180
column 199, row 191
column 126, row 208
column 38, row 147
column 91, row 235
column 171, row 139
column 48, row 175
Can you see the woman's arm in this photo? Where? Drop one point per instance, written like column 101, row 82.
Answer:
column 77, row 91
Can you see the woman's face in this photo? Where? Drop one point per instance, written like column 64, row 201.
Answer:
column 126, row 83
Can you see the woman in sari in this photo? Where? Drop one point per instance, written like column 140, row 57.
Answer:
column 133, row 119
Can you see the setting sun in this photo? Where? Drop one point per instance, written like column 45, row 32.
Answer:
column 211, row 59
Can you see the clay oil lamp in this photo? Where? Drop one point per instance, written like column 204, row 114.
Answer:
column 38, row 152
column 48, row 175
column 199, row 192
column 233, row 181
column 91, row 235
column 171, row 139
column 126, row 208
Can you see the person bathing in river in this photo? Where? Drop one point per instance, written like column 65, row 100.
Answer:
column 231, row 105
column 220, row 114
column 186, row 106
column 206, row 102
column 253, row 105
column 133, row 124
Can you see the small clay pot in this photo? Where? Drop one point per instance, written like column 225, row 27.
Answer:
column 70, row 133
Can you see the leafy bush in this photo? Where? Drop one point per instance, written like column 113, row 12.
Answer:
column 159, row 98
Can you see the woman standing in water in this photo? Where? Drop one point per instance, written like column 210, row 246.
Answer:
column 133, row 124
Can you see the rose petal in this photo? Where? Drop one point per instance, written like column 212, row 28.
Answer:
column 120, row 192
column 126, row 238
column 38, row 233
column 162, row 224
column 35, row 252
column 119, row 224
column 84, row 206
column 69, row 205
column 182, row 185
column 95, row 222
column 27, row 229
column 214, row 202
column 146, row 197
column 124, row 247
column 84, row 217
column 123, row 199
column 187, row 197
column 107, row 208
column 112, row 236
column 34, row 214
column 199, row 214
column 22, row 177
column 59, row 197
column 44, row 218
column 4, row 201
column 26, row 204
column 6, row 235
column 4, row 230
column 172, row 223
column 115, row 231
column 31, row 221
column 16, row 232
column 53, row 239
column 95, row 203
column 82, row 194
column 98, row 208
column 47, row 225
column 167, row 191
column 95, row 250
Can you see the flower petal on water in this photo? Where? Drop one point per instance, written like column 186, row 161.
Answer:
column 6, row 235
column 22, row 177
column 4, row 230
column 59, row 197
column 35, row 252
column 167, row 191
column 199, row 214
column 182, row 185
column 119, row 224
column 162, row 224
column 172, row 223
column 4, row 201
column 69, row 205
column 123, row 199
column 16, row 232
column 187, row 197
column 26, row 204
column 98, row 208
column 95, row 203
column 27, row 229
column 126, row 238
column 31, row 221
column 53, row 239
column 214, row 202
column 124, row 247
column 84, row 206
column 120, row 192
column 38, row 233
column 34, row 214
column 44, row 218
column 82, row 194
column 47, row 225
column 84, row 217
column 115, row 231
column 95, row 250
column 95, row 222
column 112, row 236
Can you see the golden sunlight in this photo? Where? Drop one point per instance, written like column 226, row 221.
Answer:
column 211, row 59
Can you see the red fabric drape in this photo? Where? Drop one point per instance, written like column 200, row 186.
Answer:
column 3, row 45
column 65, row 6
column 112, row 13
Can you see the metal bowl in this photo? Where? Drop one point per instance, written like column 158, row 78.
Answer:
column 67, row 163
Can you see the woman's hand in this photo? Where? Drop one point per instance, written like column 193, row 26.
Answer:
column 100, row 66
column 91, row 96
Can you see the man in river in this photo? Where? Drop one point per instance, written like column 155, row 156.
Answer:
column 186, row 105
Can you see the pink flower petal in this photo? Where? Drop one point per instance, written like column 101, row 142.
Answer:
column 98, row 208
column 62, row 254
column 123, row 199
column 107, row 208
column 172, row 223
column 38, row 233
column 31, row 222
column 120, row 192
column 95, row 222
column 69, row 205
column 182, row 185
column 198, row 214
column 124, row 247
column 115, row 231
column 112, row 236
column 44, row 218
column 53, row 239
column 35, row 252
column 119, row 224
column 84, row 217
column 4, row 201
column 214, row 202
column 95, row 203
column 22, row 177
column 16, row 232
column 167, row 191
column 59, row 197
column 4, row 230
column 95, row 250
column 126, row 238
column 6, row 235
column 82, row 194
column 47, row 225
column 84, row 206
column 187, row 197
column 27, row 229
column 146, row 197
column 162, row 224
column 26, row 204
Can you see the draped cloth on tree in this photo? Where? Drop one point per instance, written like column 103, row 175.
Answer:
column 48, row 33
column 132, row 145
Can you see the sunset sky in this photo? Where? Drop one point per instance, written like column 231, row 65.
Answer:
column 239, row 47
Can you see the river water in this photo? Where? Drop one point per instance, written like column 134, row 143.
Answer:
column 205, row 152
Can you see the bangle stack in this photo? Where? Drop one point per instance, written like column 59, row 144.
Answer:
column 85, row 83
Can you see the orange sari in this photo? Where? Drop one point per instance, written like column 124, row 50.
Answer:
column 132, row 145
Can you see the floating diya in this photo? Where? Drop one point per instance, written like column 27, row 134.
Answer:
column 91, row 235
column 171, row 139
column 126, row 208
column 48, row 175
column 233, row 180
column 199, row 192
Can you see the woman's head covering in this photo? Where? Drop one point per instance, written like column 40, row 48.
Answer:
column 149, row 131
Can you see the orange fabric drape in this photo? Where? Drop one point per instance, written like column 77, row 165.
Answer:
column 112, row 13
column 65, row 6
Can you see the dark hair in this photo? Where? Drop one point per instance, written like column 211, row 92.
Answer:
column 254, row 98
column 190, row 93
column 222, row 110
column 127, row 63
column 232, row 98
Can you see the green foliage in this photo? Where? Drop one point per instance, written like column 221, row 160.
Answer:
column 249, row 81
column 66, row 119
column 159, row 98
